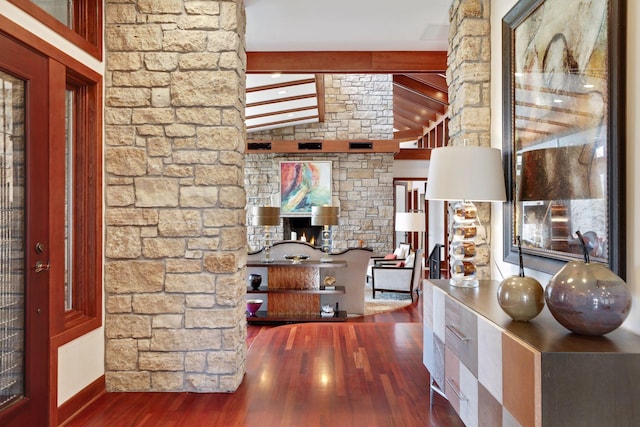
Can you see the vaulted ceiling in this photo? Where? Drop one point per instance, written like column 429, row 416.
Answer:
column 286, row 88
column 304, row 39
column 276, row 100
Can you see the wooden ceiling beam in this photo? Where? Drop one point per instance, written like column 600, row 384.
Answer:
column 402, row 122
column 283, row 122
column 420, row 100
column 413, row 116
column 281, row 85
column 277, row 112
column 347, row 62
column 423, row 89
column 279, row 100
column 413, row 154
column 407, row 135
column 436, row 80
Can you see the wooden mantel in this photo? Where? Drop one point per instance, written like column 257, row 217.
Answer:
column 323, row 146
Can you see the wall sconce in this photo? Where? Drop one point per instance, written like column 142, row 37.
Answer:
column 266, row 216
column 465, row 174
column 325, row 216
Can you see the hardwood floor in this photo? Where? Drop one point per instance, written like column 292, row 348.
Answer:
column 367, row 371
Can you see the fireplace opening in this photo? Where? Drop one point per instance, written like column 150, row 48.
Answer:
column 301, row 227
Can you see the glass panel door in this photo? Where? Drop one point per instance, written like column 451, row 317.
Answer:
column 12, row 214
column 24, row 236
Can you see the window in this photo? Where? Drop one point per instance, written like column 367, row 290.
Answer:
column 78, row 21
column 79, row 306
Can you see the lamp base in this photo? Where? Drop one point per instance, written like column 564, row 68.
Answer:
column 464, row 282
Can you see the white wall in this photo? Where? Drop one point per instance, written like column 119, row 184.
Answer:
column 81, row 361
column 498, row 9
column 410, row 169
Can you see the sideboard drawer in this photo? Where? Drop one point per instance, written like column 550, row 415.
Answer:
column 461, row 334
column 461, row 389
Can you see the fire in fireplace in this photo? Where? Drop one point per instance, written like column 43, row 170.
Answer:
column 302, row 227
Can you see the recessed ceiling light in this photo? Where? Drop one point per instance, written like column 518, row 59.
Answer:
column 589, row 86
column 290, row 115
column 282, row 92
column 558, row 101
column 276, row 75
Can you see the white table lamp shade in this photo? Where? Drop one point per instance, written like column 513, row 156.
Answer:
column 466, row 173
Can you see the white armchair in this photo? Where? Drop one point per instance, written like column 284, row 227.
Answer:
column 404, row 279
column 399, row 254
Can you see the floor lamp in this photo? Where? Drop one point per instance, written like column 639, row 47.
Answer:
column 464, row 175
column 266, row 216
column 410, row 222
column 326, row 216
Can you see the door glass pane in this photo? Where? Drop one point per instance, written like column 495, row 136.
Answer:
column 12, row 279
column 68, row 203
column 62, row 10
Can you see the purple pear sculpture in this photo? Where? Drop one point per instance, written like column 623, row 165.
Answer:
column 587, row 297
column 519, row 296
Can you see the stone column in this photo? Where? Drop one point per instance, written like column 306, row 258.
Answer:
column 175, row 224
column 469, row 80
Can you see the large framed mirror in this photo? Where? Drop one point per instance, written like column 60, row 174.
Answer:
column 563, row 132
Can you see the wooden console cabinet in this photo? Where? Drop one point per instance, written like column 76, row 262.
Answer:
column 294, row 292
column 498, row 372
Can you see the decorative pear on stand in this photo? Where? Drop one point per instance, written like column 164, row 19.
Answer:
column 587, row 297
column 519, row 296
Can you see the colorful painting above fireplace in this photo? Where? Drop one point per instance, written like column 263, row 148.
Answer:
column 304, row 184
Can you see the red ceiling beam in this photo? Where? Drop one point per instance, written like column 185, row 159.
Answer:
column 423, row 89
column 347, row 62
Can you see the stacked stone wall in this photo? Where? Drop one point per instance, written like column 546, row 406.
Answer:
column 469, row 80
column 175, row 224
column 362, row 185
column 357, row 106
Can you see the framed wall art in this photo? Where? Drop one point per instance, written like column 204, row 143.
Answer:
column 563, row 131
column 304, row 184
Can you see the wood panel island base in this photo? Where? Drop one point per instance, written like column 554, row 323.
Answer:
column 294, row 292
column 499, row 372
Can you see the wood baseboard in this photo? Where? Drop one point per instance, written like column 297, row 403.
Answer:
column 81, row 399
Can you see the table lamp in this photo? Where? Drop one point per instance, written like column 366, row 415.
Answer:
column 326, row 216
column 464, row 175
column 266, row 216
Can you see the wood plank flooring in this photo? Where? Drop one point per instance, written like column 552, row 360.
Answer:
column 364, row 372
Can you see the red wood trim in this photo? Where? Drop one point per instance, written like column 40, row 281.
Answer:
column 321, row 96
column 413, row 154
column 275, row 113
column 407, row 135
column 278, row 100
column 332, row 146
column 347, row 62
column 80, row 400
column 279, row 122
column 29, row 39
column 439, row 96
column 419, row 98
column 88, row 34
column 56, row 179
column 280, row 85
